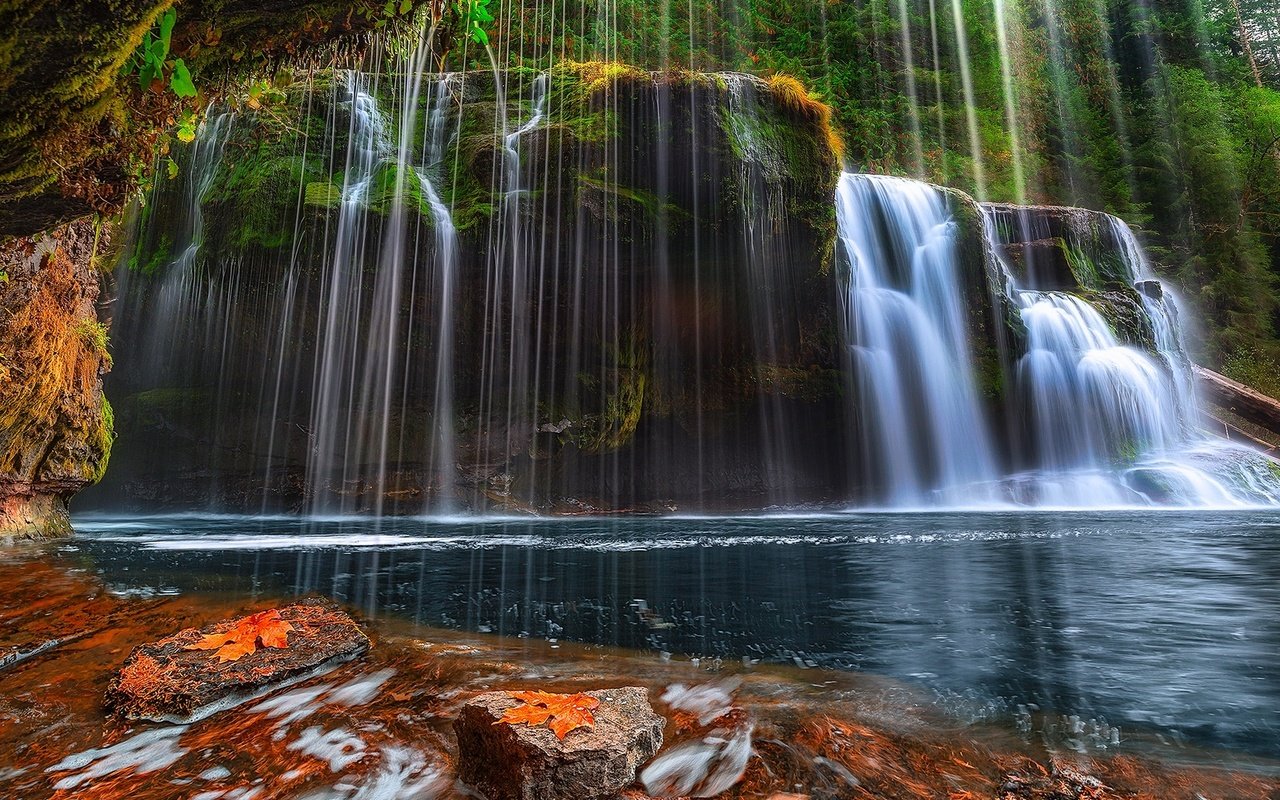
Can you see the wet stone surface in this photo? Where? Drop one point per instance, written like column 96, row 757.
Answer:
column 520, row 762
column 169, row 680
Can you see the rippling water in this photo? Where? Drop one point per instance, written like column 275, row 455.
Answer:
column 1165, row 623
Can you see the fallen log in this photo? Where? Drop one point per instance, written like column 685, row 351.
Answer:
column 1242, row 400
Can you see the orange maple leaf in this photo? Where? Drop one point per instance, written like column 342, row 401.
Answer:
column 242, row 638
column 562, row 712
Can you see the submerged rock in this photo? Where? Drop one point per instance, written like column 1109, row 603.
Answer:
column 701, row 768
column 519, row 762
column 171, row 681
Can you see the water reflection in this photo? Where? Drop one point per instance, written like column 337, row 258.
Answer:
column 1164, row 621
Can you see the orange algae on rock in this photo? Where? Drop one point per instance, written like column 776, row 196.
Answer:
column 175, row 679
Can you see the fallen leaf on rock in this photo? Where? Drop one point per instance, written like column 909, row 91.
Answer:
column 242, row 638
column 562, row 712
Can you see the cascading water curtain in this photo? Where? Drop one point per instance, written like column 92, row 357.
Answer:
column 554, row 281
column 923, row 435
column 1103, row 421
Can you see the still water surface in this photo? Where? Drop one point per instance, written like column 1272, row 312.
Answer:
column 1164, row 623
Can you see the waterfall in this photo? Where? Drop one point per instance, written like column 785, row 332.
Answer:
column 443, row 457
column 924, row 437
column 508, row 352
column 337, row 412
column 1092, row 401
column 411, row 297
column 179, row 290
column 1099, row 420
column 1108, row 422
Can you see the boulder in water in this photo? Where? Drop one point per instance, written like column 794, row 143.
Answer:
column 172, row 681
column 522, row 762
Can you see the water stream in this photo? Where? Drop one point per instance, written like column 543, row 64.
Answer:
column 1160, row 624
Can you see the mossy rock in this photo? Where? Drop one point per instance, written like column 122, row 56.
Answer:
column 1124, row 312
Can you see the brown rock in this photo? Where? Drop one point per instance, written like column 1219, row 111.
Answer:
column 56, row 427
column 167, row 682
column 518, row 762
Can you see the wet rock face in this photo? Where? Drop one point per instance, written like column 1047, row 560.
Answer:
column 1061, row 248
column 674, row 327
column 169, row 681
column 518, row 762
column 55, row 423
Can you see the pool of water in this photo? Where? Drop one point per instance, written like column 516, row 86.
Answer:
column 1162, row 623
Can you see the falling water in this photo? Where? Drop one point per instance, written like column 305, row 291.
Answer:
column 906, row 324
column 505, row 371
column 655, row 335
column 1108, row 422
column 443, row 287
column 179, row 288
column 336, row 431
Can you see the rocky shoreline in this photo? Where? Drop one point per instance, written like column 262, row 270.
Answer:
column 392, row 719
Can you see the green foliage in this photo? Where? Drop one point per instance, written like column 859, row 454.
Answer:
column 1252, row 367
column 180, row 82
column 151, row 54
column 474, row 16
column 264, row 93
column 187, row 126
column 379, row 16
column 150, row 61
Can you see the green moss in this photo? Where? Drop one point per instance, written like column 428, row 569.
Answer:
column 155, row 407
column 106, row 436
column 1096, row 267
column 94, row 335
column 629, row 201
column 322, row 194
column 1125, row 452
column 150, row 263
column 612, row 423
column 254, row 195
column 382, row 190
column 989, row 372
column 1082, row 266
column 1273, row 467
column 614, row 426
column 575, row 98
column 1124, row 314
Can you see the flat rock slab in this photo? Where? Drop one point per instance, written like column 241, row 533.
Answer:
column 165, row 681
column 519, row 762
